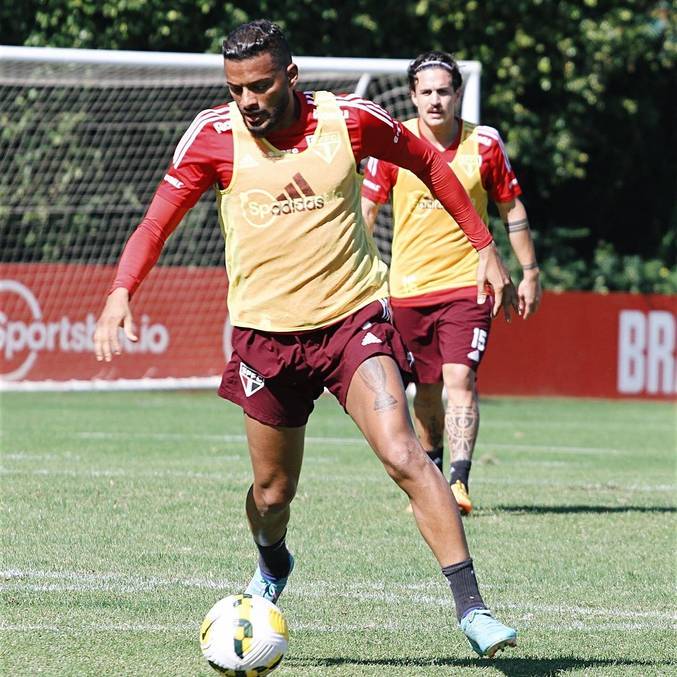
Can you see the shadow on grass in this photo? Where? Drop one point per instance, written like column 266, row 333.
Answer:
column 511, row 667
column 566, row 509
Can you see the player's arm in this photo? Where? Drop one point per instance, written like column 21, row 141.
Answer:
column 139, row 255
column 191, row 173
column 370, row 210
column 400, row 147
column 500, row 182
column 514, row 215
column 379, row 177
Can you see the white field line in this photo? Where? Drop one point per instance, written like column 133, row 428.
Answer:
column 347, row 441
column 587, row 486
column 118, row 473
column 18, row 455
column 111, row 581
column 193, row 627
column 364, row 479
column 551, row 448
column 210, row 437
column 593, row 423
column 568, row 610
column 70, row 581
column 29, row 456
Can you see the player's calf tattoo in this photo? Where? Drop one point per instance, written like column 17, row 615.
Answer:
column 374, row 376
column 462, row 423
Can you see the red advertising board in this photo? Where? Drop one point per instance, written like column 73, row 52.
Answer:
column 586, row 344
column 578, row 344
column 48, row 313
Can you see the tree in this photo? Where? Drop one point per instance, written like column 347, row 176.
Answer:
column 582, row 92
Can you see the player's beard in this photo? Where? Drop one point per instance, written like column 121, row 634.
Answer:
column 272, row 120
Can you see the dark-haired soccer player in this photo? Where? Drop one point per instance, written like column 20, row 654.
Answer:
column 307, row 292
column 432, row 271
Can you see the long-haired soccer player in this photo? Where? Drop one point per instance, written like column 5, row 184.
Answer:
column 307, row 292
column 432, row 271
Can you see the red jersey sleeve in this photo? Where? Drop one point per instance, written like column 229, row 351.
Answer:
column 145, row 244
column 379, row 178
column 203, row 157
column 380, row 136
column 498, row 177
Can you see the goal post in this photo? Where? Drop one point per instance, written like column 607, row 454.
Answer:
column 85, row 138
column 33, row 63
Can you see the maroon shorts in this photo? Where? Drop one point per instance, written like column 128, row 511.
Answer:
column 454, row 332
column 276, row 378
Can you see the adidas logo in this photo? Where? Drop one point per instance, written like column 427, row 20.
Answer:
column 251, row 381
column 296, row 189
column 474, row 355
column 370, row 338
column 260, row 207
column 298, row 196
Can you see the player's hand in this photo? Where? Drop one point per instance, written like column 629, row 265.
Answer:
column 491, row 269
column 529, row 293
column 116, row 313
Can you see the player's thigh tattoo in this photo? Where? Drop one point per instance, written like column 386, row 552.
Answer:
column 374, row 376
column 462, row 423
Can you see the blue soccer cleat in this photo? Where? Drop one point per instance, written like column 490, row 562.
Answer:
column 268, row 588
column 485, row 634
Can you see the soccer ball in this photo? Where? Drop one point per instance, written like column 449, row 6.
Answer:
column 244, row 636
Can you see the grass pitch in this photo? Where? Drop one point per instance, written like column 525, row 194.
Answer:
column 123, row 522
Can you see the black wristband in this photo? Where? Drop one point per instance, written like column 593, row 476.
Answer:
column 516, row 226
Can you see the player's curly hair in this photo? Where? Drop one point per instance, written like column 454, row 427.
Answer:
column 434, row 59
column 257, row 37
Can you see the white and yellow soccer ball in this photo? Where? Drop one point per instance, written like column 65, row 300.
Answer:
column 244, row 636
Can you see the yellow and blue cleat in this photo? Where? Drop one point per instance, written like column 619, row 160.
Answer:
column 268, row 588
column 485, row 634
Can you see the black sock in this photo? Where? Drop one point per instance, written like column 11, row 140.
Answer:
column 436, row 457
column 460, row 470
column 463, row 584
column 274, row 559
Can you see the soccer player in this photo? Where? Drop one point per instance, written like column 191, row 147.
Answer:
column 432, row 271
column 307, row 293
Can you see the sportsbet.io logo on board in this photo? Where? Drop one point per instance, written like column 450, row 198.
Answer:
column 25, row 333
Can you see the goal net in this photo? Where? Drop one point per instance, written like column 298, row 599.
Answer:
column 85, row 138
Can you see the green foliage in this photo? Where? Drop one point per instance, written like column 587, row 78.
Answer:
column 606, row 270
column 581, row 92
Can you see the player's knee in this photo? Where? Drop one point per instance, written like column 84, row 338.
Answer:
column 459, row 380
column 404, row 459
column 274, row 498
